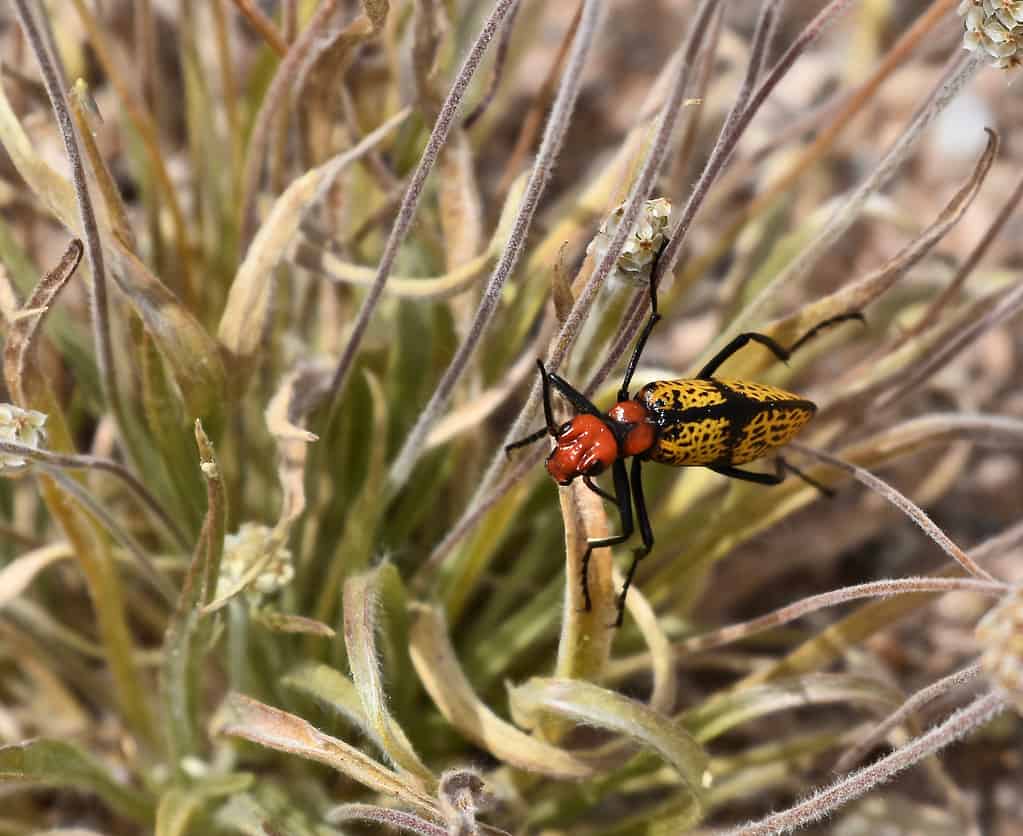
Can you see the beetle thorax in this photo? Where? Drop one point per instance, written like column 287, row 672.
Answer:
column 635, row 425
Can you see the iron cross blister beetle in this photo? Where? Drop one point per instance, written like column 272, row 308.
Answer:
column 691, row 422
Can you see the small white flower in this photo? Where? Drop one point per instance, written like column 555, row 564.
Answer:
column 996, row 28
column 641, row 247
column 243, row 550
column 22, row 426
column 1000, row 636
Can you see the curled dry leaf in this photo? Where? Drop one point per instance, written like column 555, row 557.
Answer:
column 585, row 703
column 24, row 326
column 360, row 599
column 320, row 255
column 248, row 303
column 16, row 576
column 445, row 681
column 248, row 719
column 301, row 389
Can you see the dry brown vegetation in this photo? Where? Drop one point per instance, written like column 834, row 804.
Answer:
column 277, row 274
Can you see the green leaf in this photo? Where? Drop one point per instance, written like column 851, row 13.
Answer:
column 59, row 764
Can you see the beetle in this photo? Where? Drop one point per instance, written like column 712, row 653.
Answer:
column 690, row 422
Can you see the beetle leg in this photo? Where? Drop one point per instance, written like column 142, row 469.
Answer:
column 827, row 323
column 655, row 317
column 599, row 491
column 775, row 347
column 525, row 442
column 623, row 499
column 749, row 475
column 739, row 342
column 572, row 395
column 548, row 412
column 646, row 532
column 782, row 465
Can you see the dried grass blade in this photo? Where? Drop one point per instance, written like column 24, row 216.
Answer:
column 905, row 712
column 855, row 296
column 977, row 714
column 837, row 597
column 904, row 504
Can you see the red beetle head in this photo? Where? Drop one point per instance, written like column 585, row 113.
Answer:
column 586, row 446
column 592, row 441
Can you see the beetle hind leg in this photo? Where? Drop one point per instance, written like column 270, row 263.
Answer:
column 781, row 467
column 775, row 478
column 784, row 465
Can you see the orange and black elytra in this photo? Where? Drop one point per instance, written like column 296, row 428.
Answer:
column 692, row 422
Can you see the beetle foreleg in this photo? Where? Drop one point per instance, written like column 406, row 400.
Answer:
column 623, row 499
column 599, row 491
column 524, row 442
column 646, row 532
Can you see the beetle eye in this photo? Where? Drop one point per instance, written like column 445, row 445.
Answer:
column 564, row 428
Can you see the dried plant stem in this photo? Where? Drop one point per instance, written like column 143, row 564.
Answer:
column 395, row 819
column 52, row 78
column 75, row 462
column 410, row 202
column 909, row 508
column 813, row 603
column 905, row 711
column 215, row 523
column 961, row 69
column 557, row 125
column 500, row 57
column 745, row 107
column 930, row 316
column 263, row 24
column 96, row 509
column 275, row 98
column 978, row 713
column 823, row 142
column 147, row 129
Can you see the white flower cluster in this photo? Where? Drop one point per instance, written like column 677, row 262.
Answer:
column 646, row 240
column 243, row 550
column 996, row 28
column 23, row 426
column 1000, row 635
